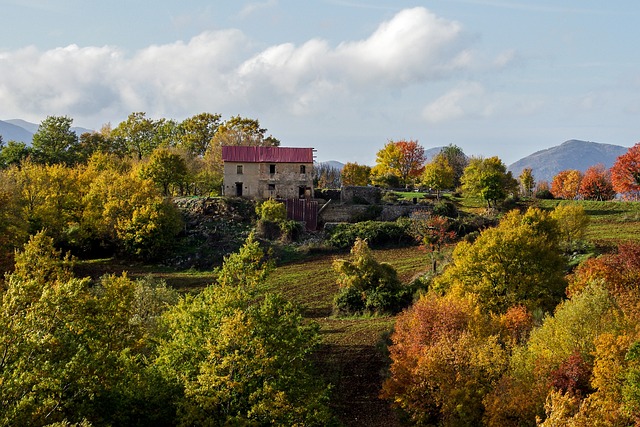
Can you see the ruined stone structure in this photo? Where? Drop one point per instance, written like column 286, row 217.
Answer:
column 264, row 172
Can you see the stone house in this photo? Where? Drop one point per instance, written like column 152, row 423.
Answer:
column 264, row 172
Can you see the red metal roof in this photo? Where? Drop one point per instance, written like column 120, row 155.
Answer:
column 267, row 154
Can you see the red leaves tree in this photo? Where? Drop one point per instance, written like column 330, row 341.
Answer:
column 402, row 159
column 625, row 173
column 596, row 184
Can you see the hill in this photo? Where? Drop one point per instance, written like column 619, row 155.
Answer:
column 11, row 132
column 572, row 154
column 22, row 130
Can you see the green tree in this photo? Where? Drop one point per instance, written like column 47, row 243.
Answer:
column 198, row 131
column 241, row 356
column 13, row 153
column 166, row 168
column 137, row 134
column 458, row 161
column 438, row 174
column 367, row 286
column 517, row 262
column 489, row 179
column 355, row 174
column 55, row 142
column 73, row 350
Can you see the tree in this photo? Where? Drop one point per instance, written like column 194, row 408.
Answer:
column 13, row 226
column 432, row 233
column 355, row 174
column 137, row 134
column 625, row 173
column 527, row 182
column 404, row 159
column 572, row 222
column 326, row 176
column 55, row 142
column 239, row 356
column 241, row 131
column 165, row 168
column 487, row 178
column 458, row 161
column 72, row 350
column 197, row 132
column 517, row 262
column 596, row 184
column 438, row 174
column 100, row 142
column 566, row 184
column 13, row 153
column 367, row 286
column 443, row 362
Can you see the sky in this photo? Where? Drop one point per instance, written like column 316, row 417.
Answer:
column 494, row 77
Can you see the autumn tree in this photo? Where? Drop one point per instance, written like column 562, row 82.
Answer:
column 566, row 184
column 443, row 362
column 527, row 182
column 489, row 179
column 355, row 174
column 438, row 174
column 55, row 142
column 572, row 222
column 432, row 233
column 517, row 262
column 326, row 176
column 625, row 173
column 404, row 159
column 596, row 184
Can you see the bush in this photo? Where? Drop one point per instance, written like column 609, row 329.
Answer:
column 445, row 208
column 272, row 210
column 544, row 194
column 367, row 286
column 377, row 234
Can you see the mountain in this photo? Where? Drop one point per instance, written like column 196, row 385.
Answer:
column 333, row 164
column 22, row 130
column 11, row 132
column 572, row 154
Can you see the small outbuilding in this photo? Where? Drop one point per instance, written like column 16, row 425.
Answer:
column 268, row 172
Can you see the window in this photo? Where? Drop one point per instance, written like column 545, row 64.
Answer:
column 303, row 169
column 272, row 187
column 239, row 169
column 272, row 169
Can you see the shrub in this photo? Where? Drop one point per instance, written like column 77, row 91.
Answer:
column 445, row 208
column 377, row 234
column 367, row 286
column 272, row 210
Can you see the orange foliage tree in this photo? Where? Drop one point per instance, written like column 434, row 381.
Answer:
column 625, row 173
column 566, row 183
column 596, row 184
column 404, row 159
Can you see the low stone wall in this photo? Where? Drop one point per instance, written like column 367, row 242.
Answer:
column 355, row 213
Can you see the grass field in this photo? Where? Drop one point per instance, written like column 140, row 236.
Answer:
column 610, row 222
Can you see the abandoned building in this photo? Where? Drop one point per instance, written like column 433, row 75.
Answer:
column 264, row 172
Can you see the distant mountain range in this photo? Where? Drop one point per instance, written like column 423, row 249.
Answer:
column 545, row 164
column 572, row 154
column 22, row 131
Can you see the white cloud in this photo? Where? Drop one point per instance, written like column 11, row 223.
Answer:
column 257, row 6
column 467, row 99
column 218, row 71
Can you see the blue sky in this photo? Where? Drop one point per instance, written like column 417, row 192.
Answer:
column 495, row 77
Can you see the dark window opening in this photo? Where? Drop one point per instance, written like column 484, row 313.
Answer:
column 239, row 189
column 303, row 169
column 272, row 168
column 239, row 169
